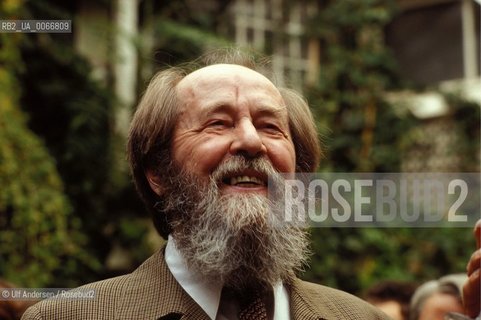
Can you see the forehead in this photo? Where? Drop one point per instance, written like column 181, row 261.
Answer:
column 227, row 81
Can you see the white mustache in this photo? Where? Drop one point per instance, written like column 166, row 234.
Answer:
column 239, row 163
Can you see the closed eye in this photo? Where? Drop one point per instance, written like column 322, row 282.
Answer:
column 271, row 128
column 218, row 123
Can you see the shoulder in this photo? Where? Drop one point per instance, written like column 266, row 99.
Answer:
column 331, row 303
column 107, row 298
column 94, row 300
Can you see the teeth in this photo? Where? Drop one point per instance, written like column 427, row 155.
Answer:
column 245, row 179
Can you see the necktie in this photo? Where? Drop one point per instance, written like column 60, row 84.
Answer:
column 254, row 309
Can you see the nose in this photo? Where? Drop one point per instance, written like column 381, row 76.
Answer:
column 247, row 140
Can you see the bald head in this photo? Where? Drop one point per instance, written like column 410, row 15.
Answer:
column 225, row 82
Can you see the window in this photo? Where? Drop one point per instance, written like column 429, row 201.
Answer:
column 276, row 27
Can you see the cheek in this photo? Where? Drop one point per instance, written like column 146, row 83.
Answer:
column 200, row 154
column 282, row 156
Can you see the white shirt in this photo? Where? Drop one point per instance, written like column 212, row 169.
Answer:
column 208, row 295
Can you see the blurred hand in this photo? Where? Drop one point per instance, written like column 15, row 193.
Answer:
column 472, row 287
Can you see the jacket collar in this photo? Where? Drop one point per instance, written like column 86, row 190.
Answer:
column 152, row 291
column 304, row 306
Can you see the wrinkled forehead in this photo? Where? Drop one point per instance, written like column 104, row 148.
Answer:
column 224, row 74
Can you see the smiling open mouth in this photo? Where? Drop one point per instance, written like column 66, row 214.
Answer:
column 245, row 180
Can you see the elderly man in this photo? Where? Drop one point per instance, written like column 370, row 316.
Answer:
column 203, row 142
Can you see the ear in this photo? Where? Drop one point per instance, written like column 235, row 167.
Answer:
column 154, row 182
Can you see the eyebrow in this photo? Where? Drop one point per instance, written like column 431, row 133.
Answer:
column 263, row 110
column 269, row 111
column 218, row 108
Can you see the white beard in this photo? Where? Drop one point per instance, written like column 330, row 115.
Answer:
column 232, row 238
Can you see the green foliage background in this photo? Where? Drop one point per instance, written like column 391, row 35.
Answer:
column 365, row 133
column 66, row 203
column 39, row 236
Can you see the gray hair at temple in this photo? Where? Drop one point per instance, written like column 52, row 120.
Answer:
column 451, row 284
column 154, row 121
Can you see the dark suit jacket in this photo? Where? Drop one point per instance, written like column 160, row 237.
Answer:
column 151, row 292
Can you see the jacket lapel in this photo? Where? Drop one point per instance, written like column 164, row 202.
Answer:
column 307, row 303
column 151, row 292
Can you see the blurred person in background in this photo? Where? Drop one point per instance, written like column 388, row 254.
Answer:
column 392, row 297
column 434, row 299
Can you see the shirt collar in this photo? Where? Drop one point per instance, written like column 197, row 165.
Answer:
column 205, row 294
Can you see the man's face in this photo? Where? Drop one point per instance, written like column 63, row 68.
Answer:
column 231, row 135
column 229, row 110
